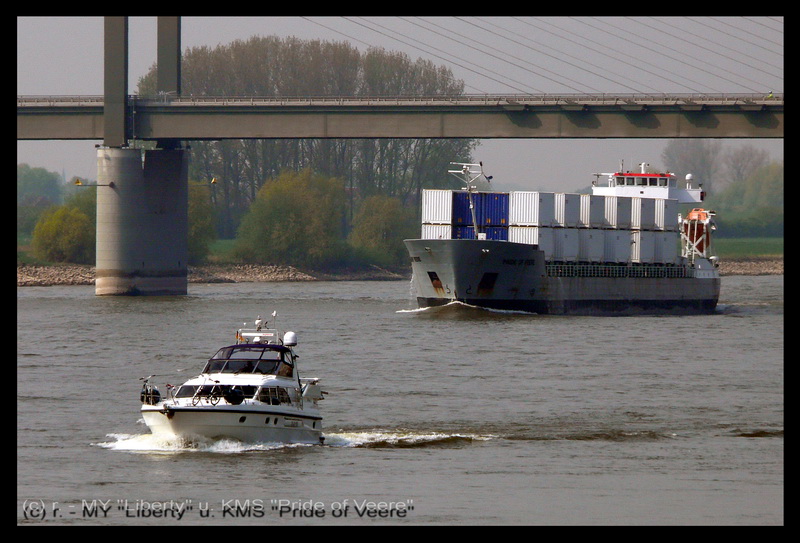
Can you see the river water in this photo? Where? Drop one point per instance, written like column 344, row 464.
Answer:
column 449, row 416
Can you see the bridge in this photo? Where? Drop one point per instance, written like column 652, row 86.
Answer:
column 464, row 116
column 142, row 208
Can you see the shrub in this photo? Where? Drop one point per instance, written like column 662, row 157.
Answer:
column 64, row 234
column 295, row 219
column 379, row 227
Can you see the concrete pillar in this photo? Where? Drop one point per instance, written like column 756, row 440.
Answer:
column 142, row 222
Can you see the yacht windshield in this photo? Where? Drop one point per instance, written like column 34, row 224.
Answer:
column 263, row 359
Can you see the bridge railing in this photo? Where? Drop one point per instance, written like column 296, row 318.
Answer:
column 464, row 99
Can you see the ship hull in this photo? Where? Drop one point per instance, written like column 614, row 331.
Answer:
column 514, row 276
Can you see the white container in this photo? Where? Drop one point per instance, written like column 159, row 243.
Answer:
column 617, row 212
column 531, row 208
column 566, row 244
column 666, row 215
column 533, row 235
column 437, row 206
column 592, row 211
column 643, row 213
column 591, row 243
column 643, row 248
column 567, row 209
column 667, row 247
column 616, row 245
column 436, row 231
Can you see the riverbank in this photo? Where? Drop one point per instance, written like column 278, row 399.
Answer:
column 72, row 274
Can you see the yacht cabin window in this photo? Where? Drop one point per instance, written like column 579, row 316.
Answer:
column 251, row 359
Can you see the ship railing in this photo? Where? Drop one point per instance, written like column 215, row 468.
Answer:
column 569, row 269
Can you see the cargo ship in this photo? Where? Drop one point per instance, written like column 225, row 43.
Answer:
column 623, row 249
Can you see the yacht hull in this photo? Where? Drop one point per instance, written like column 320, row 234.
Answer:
column 250, row 425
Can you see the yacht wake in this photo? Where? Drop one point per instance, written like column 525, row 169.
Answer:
column 148, row 443
column 400, row 439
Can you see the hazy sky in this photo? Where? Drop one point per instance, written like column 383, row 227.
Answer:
column 494, row 55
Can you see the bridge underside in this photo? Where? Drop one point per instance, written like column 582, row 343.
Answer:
column 262, row 122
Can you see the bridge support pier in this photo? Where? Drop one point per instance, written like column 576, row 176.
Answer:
column 142, row 222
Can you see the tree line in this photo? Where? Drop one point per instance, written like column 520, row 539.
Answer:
column 300, row 217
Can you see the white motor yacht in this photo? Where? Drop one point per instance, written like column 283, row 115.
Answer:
column 249, row 391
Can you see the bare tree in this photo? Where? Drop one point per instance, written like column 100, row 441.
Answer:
column 741, row 162
column 700, row 157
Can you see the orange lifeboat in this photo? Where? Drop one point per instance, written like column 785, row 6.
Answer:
column 698, row 214
column 697, row 229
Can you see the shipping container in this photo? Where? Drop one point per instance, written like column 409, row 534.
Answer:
column 668, row 247
column 617, row 212
column 643, row 213
column 566, row 244
column 592, row 211
column 533, row 235
column 643, row 249
column 436, row 231
column 437, row 206
column 591, row 243
column 531, row 208
column 616, row 245
column 666, row 215
column 499, row 233
column 491, row 208
column 461, row 213
column 567, row 209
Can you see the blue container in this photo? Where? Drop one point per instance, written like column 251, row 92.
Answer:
column 463, row 232
column 497, row 232
column 492, row 232
column 461, row 213
column 494, row 209
column 491, row 208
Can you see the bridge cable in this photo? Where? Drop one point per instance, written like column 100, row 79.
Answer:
column 696, row 59
column 370, row 45
column 505, row 59
column 437, row 56
column 616, row 59
column 604, row 76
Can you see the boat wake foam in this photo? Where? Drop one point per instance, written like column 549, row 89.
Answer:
column 457, row 308
column 149, row 443
column 400, row 439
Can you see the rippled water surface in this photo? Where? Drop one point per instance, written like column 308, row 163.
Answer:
column 451, row 415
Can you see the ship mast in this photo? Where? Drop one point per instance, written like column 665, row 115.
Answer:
column 468, row 174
